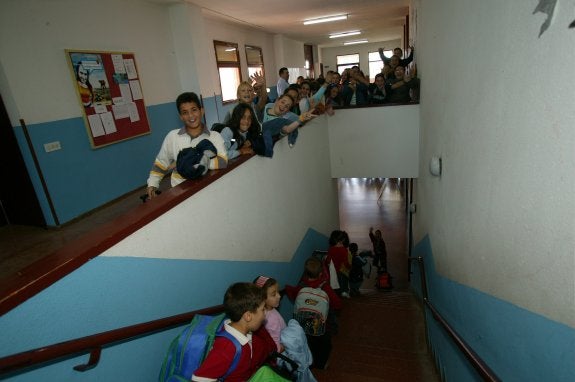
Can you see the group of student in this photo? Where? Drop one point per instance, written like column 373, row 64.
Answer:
column 349, row 265
column 395, row 83
column 254, row 124
column 254, row 331
column 251, row 127
column 254, row 322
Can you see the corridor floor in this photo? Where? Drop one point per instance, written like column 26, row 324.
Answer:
column 382, row 334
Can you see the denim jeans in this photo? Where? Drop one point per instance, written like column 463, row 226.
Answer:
column 273, row 128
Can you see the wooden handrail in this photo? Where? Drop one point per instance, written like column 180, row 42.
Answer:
column 93, row 344
column 480, row 366
column 33, row 279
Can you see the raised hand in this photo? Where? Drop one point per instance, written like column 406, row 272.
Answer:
column 258, row 79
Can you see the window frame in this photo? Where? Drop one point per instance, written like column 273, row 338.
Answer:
column 225, row 64
column 346, row 65
column 260, row 65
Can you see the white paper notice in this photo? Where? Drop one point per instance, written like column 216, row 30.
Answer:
column 118, row 62
column 126, row 93
column 108, row 122
column 130, row 68
column 118, row 100
column 121, row 111
column 99, row 108
column 134, row 115
column 96, row 125
column 136, row 90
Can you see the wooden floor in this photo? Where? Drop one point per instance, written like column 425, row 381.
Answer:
column 21, row 246
column 382, row 334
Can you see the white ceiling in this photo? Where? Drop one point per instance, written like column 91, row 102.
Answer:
column 378, row 20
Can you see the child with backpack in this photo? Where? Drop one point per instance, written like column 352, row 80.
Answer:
column 274, row 322
column 338, row 254
column 315, row 303
column 379, row 251
column 244, row 304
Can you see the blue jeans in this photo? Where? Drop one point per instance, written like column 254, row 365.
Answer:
column 273, row 128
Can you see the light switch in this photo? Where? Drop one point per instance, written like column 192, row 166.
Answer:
column 52, row 146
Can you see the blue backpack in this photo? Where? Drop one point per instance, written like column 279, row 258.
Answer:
column 189, row 349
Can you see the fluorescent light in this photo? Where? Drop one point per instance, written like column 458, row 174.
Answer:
column 325, row 19
column 355, row 42
column 344, row 34
column 230, row 49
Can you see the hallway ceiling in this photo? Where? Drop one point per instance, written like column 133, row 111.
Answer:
column 378, row 20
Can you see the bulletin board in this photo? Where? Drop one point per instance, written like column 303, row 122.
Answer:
column 110, row 94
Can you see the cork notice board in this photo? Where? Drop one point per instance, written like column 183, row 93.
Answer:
column 110, row 94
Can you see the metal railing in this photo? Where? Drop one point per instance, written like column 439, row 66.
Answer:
column 95, row 343
column 478, row 364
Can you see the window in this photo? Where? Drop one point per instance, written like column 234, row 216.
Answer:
column 376, row 64
column 255, row 60
column 228, row 61
column 347, row 61
column 309, row 62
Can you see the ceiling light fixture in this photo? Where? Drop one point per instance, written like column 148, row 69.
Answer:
column 344, row 34
column 325, row 19
column 355, row 42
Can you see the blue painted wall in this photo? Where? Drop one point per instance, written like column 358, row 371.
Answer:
column 109, row 293
column 518, row 345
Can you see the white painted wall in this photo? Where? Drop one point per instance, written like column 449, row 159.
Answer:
column 289, row 53
column 236, row 218
column 34, row 35
column 375, row 142
column 497, row 106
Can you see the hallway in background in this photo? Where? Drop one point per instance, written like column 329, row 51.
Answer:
column 382, row 333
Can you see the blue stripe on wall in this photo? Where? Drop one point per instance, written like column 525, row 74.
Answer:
column 518, row 345
column 109, row 293
column 79, row 178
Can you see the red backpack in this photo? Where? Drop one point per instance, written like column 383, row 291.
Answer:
column 384, row 281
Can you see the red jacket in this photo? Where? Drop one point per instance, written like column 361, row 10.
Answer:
column 220, row 358
column 340, row 257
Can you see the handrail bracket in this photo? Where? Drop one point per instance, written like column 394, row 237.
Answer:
column 92, row 362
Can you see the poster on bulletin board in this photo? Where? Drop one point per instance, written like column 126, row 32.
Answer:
column 110, row 93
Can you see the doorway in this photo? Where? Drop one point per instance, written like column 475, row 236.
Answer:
column 18, row 202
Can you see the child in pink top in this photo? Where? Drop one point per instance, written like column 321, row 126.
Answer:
column 274, row 323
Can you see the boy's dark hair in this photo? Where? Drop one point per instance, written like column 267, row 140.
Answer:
column 241, row 298
column 379, row 75
column 313, row 268
column 353, row 248
column 187, row 97
column 282, row 70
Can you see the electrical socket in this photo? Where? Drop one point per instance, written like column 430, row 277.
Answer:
column 52, row 146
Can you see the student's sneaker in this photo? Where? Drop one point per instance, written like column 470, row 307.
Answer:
column 345, row 294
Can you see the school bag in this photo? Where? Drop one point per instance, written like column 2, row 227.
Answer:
column 189, row 349
column 384, row 281
column 310, row 310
